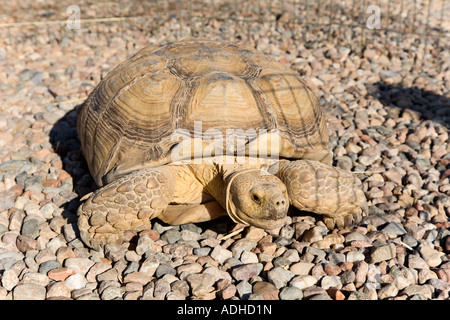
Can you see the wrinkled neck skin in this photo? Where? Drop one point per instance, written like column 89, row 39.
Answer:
column 215, row 177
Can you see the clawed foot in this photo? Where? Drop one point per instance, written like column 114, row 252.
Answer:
column 127, row 204
column 323, row 189
column 106, row 235
column 342, row 222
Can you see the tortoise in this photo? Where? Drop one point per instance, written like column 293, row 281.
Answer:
column 146, row 133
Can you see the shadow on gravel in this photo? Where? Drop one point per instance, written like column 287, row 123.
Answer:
column 65, row 142
column 427, row 104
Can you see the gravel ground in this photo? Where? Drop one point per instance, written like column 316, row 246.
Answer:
column 388, row 111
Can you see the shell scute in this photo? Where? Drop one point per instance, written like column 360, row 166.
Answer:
column 130, row 118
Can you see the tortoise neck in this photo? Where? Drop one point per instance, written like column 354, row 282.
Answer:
column 216, row 178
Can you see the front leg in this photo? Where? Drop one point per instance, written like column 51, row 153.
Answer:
column 125, row 204
column 323, row 189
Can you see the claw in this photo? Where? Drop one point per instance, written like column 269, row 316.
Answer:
column 340, row 223
column 358, row 217
column 329, row 222
column 349, row 221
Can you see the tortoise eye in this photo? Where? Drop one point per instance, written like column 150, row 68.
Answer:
column 256, row 198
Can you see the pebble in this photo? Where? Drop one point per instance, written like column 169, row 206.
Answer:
column 75, row 281
column 82, row 265
column 330, row 282
column 24, row 243
column 242, row 245
column 431, row 256
column 60, row 274
column 315, row 234
column 245, row 271
column 58, row 290
column 443, row 274
column 249, row 257
column 29, row 291
column 387, row 291
column 356, row 236
column 111, row 293
column 279, row 277
column 220, row 254
column 422, row 291
column 201, row 284
column 30, row 228
column 149, row 265
column 9, row 279
column 291, row 293
column 382, row 253
column 394, row 230
column 171, row 236
column 303, row 281
column 244, row 289
column 255, row 233
column 226, row 289
column 35, row 277
column 301, row 268
column 164, row 269
column 267, row 290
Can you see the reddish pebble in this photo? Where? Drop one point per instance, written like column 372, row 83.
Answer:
column 226, row 289
column 24, row 243
column 207, row 259
column 332, row 269
column 152, row 234
column 16, row 190
column 60, row 274
column 268, row 266
column 346, row 266
column 105, row 260
column 335, row 294
column 228, row 292
column 63, row 176
column 443, row 274
column 267, row 290
column 133, row 286
column 360, row 244
column 268, row 248
column 42, row 154
column 50, row 183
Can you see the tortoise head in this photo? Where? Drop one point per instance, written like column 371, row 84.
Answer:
column 257, row 198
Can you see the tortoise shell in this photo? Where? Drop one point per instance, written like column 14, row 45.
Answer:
column 129, row 120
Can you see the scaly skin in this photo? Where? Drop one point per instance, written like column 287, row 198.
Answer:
column 323, row 189
column 128, row 203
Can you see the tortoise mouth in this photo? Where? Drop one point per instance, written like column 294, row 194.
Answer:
column 267, row 223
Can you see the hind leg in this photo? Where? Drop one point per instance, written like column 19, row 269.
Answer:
column 323, row 189
column 128, row 203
